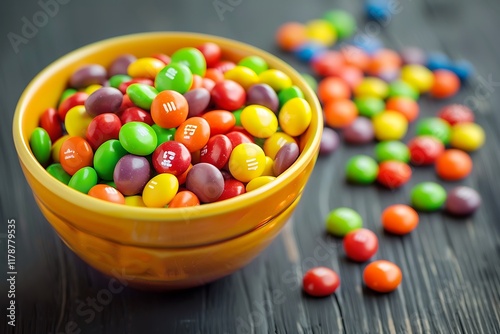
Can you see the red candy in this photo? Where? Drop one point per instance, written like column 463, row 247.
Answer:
column 51, row 122
column 238, row 137
column 103, row 128
column 328, row 63
column 124, row 85
column 212, row 53
column 136, row 114
column 360, row 245
column 232, row 188
column 456, row 113
column 77, row 99
column 228, row 95
column 424, row 150
column 169, row 109
column 320, row 282
column 217, row 151
column 332, row 88
column 393, row 174
column 171, row 157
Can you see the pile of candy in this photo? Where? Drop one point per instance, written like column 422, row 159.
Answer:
column 173, row 130
column 370, row 93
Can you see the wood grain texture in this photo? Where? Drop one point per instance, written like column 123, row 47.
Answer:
column 451, row 266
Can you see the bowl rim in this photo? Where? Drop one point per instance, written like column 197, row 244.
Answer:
column 308, row 153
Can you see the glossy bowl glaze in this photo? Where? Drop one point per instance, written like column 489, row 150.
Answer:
column 161, row 248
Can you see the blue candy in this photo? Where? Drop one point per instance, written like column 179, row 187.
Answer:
column 307, row 51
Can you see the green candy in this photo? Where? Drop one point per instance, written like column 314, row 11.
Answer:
column 399, row 88
column 163, row 135
column 41, row 144
column 83, row 180
column 237, row 116
column 174, row 76
column 138, row 138
column 436, row 127
column 116, row 80
column 192, row 58
column 392, row 150
column 311, row 81
column 289, row 93
column 141, row 95
column 67, row 93
column 59, row 173
column 341, row 221
column 106, row 157
column 428, row 196
column 343, row 22
column 361, row 169
column 255, row 63
column 369, row 106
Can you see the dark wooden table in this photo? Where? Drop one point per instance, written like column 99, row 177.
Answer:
column 451, row 266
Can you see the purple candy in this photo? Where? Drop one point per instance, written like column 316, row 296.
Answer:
column 198, row 100
column 359, row 132
column 413, row 55
column 462, row 201
column 104, row 100
column 131, row 174
column 329, row 141
column 263, row 95
column 285, row 157
column 120, row 64
column 389, row 75
column 88, row 75
column 205, row 181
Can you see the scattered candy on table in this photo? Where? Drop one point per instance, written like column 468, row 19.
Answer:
column 343, row 220
column 462, row 201
column 399, row 219
column 428, row 196
column 382, row 276
column 320, row 282
column 360, row 245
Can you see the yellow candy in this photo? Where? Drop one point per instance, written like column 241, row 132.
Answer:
column 247, row 161
column 259, row 182
column 372, row 87
column 276, row 79
column 77, row 121
column 268, row 170
column 259, row 121
column 160, row 190
column 467, row 136
column 147, row 67
column 245, row 76
column 418, row 76
column 92, row 88
column 321, row 31
column 273, row 144
column 56, row 147
column 295, row 116
column 134, row 201
column 390, row 125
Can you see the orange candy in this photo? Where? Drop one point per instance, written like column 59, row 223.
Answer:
column 182, row 178
column 291, row 35
column 446, row 84
column 220, row 121
column 328, row 63
column 184, row 199
column 75, row 153
column 193, row 133
column 107, row 193
column 197, row 82
column 169, row 109
column 453, row 165
column 215, row 74
column 332, row 88
column 354, row 56
column 340, row 113
column 399, row 219
column 384, row 60
column 405, row 105
column 382, row 276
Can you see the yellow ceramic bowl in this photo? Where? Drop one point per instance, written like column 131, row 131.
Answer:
column 161, row 248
